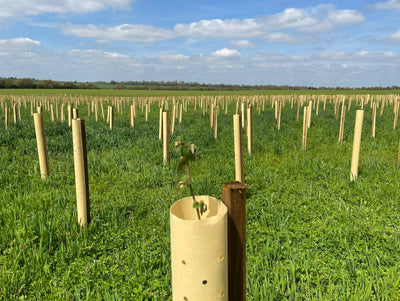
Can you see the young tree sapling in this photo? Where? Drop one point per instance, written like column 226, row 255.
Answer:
column 188, row 153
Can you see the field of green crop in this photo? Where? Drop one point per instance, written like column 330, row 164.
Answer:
column 311, row 233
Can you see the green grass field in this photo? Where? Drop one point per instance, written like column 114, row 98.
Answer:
column 311, row 233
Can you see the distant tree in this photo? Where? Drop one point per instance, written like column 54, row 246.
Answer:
column 46, row 84
column 119, row 87
column 2, row 83
column 10, row 84
column 69, row 85
column 25, row 83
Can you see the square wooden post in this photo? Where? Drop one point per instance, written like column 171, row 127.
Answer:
column 234, row 197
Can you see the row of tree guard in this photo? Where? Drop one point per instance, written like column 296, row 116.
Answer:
column 212, row 105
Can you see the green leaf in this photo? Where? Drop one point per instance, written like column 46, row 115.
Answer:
column 181, row 164
column 196, row 205
column 191, row 157
column 203, row 207
column 186, row 150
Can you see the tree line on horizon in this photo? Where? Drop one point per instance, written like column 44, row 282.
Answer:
column 29, row 83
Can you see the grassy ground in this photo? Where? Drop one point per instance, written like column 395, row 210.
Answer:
column 311, row 233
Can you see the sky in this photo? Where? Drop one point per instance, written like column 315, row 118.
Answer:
column 278, row 42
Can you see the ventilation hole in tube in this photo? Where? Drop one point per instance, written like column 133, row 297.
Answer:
column 183, row 262
column 204, row 282
column 222, row 294
column 222, row 258
column 185, row 298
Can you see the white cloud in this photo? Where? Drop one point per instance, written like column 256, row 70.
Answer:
column 242, row 44
column 225, row 52
column 124, row 32
column 363, row 68
column 217, row 28
column 20, row 8
column 96, row 53
column 291, row 18
column 331, row 18
column 391, row 4
column 345, row 16
column 319, row 19
column 280, row 37
column 173, row 58
column 18, row 44
column 394, row 38
column 363, row 53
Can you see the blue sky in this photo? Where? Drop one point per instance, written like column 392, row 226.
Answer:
column 282, row 42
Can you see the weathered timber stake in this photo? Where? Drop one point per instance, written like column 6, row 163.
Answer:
column 234, row 197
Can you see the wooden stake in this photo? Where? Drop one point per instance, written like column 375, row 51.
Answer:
column 234, row 197
column 356, row 145
column 165, row 127
column 81, row 171
column 238, row 143
column 41, row 145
